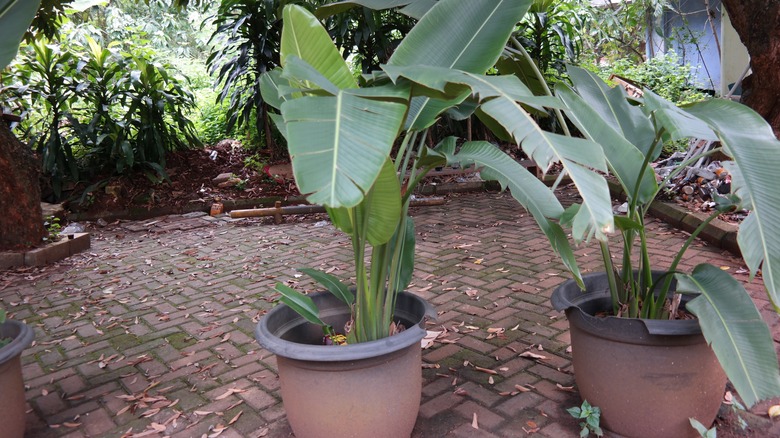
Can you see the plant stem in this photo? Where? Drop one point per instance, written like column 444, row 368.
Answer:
column 520, row 50
column 605, row 254
column 673, row 267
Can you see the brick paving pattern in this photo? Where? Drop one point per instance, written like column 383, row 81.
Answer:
column 150, row 333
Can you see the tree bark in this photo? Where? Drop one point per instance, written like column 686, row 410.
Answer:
column 21, row 220
column 757, row 23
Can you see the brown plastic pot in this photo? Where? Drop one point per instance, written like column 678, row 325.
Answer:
column 371, row 389
column 648, row 377
column 12, row 402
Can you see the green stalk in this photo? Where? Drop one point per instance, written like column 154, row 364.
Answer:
column 673, row 267
column 520, row 50
column 613, row 291
column 379, row 287
column 402, row 151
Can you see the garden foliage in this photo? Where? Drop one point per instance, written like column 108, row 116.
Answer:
column 89, row 108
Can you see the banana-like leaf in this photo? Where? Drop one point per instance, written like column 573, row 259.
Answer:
column 300, row 303
column 332, row 284
column 581, row 158
column 383, row 205
column 303, row 36
column 611, row 104
column 528, row 190
column 622, row 156
column 270, row 84
column 341, row 218
column 734, row 328
column 326, row 11
column 676, row 121
column 520, row 67
column 484, row 27
column 747, row 138
column 15, row 17
column 338, row 144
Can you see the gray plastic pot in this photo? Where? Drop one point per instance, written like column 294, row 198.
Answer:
column 12, row 402
column 371, row 389
column 648, row 377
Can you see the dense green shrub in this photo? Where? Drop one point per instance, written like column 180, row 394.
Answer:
column 664, row 75
column 95, row 108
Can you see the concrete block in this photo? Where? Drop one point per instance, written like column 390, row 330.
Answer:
column 80, row 242
column 11, row 259
column 50, row 253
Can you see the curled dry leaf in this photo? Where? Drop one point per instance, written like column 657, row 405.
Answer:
column 461, row 392
column 564, row 388
column 774, row 411
column 427, row 366
column 230, row 392
column 490, row 380
column 522, row 388
column 474, row 422
column 234, row 419
column 430, row 337
column 486, row 370
column 529, row 355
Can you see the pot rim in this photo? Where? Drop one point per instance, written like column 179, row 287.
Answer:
column 408, row 306
column 569, row 297
column 22, row 336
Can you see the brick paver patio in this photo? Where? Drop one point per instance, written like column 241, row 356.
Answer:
column 151, row 332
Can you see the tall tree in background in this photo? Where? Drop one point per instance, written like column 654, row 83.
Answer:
column 757, row 23
column 21, row 224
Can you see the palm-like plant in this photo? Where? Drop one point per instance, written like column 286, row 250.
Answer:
column 341, row 141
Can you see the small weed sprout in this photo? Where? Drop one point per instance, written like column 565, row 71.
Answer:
column 591, row 415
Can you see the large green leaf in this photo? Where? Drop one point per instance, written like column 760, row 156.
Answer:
column 483, row 27
column 300, row 303
column 678, row 123
column 622, row 156
column 413, row 8
column 303, row 36
column 733, row 326
column 747, row 138
column 332, row 284
column 338, row 144
column 383, row 206
column 15, row 17
column 611, row 104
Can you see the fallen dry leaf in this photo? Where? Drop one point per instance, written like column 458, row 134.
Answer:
column 230, row 392
column 522, row 388
column 565, row 388
column 529, row 355
column 462, row 392
column 774, row 411
column 486, row 370
column 235, row 418
column 474, row 422
column 430, row 337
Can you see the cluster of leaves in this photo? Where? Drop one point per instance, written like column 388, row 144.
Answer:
column 665, row 75
column 551, row 33
column 592, row 417
column 96, row 108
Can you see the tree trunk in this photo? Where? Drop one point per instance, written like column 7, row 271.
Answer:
column 21, row 220
column 757, row 23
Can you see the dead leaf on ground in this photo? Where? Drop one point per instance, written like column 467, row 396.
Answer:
column 230, row 392
column 474, row 422
column 430, row 337
column 774, row 411
column 565, row 388
column 529, row 355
